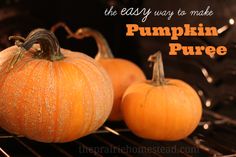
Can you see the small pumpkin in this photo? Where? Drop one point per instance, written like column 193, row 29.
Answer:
column 50, row 94
column 161, row 109
column 122, row 72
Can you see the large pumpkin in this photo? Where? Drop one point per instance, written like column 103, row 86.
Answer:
column 122, row 72
column 161, row 109
column 50, row 94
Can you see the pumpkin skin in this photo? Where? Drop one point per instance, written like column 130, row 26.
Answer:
column 122, row 72
column 54, row 101
column 161, row 111
column 6, row 54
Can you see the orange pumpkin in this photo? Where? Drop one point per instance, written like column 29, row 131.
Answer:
column 161, row 109
column 51, row 94
column 122, row 72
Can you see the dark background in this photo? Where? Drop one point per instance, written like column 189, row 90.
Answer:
column 218, row 88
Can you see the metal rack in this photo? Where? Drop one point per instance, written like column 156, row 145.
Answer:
column 215, row 136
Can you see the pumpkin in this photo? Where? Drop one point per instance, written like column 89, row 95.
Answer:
column 50, row 94
column 122, row 72
column 162, row 108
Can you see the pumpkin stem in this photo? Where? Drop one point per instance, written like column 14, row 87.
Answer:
column 63, row 25
column 158, row 76
column 48, row 42
column 104, row 50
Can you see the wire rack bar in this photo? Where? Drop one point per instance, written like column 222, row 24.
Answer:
column 4, row 153
column 30, row 149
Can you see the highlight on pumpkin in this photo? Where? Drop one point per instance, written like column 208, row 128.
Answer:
column 51, row 94
column 162, row 108
column 122, row 72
